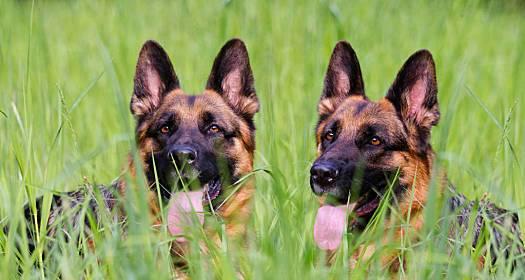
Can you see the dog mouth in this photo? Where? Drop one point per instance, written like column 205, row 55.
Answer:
column 367, row 204
column 187, row 179
column 211, row 190
column 335, row 217
column 187, row 208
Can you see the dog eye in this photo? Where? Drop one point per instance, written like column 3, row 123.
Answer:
column 214, row 128
column 375, row 141
column 165, row 129
column 329, row 136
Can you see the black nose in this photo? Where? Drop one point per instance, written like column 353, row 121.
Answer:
column 324, row 174
column 183, row 154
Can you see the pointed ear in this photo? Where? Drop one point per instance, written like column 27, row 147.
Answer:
column 343, row 78
column 414, row 91
column 232, row 78
column 154, row 77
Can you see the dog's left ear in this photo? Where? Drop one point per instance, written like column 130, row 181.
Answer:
column 231, row 77
column 414, row 95
column 414, row 91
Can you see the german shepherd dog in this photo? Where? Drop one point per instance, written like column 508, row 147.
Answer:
column 206, row 140
column 364, row 146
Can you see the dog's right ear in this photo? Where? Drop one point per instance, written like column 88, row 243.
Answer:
column 343, row 78
column 154, row 78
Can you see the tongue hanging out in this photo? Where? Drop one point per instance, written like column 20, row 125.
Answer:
column 180, row 213
column 329, row 226
column 330, row 222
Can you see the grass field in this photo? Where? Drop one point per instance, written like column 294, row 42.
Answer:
column 66, row 70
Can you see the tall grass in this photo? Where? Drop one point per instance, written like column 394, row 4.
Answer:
column 66, row 71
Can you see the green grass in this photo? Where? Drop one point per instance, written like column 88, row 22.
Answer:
column 66, row 70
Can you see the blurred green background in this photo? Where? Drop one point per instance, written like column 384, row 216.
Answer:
column 66, row 77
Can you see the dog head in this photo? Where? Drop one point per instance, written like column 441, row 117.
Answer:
column 206, row 140
column 362, row 144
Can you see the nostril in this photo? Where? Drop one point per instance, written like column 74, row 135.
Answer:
column 187, row 155
column 333, row 173
column 324, row 173
column 192, row 156
column 184, row 153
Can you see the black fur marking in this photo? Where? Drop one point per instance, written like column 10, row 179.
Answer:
column 335, row 128
column 322, row 117
column 191, row 100
column 66, row 211
column 397, row 142
column 503, row 226
column 206, row 119
column 170, row 119
column 249, row 121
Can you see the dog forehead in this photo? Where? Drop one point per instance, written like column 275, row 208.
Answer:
column 212, row 102
column 355, row 113
column 352, row 107
column 192, row 106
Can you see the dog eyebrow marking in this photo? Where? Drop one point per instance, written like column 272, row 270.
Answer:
column 170, row 118
column 335, row 126
column 207, row 118
column 394, row 140
column 359, row 107
column 368, row 130
column 167, row 117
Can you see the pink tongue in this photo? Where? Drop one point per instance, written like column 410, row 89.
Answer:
column 329, row 226
column 180, row 214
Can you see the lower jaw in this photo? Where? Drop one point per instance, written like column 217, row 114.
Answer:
column 361, row 213
column 212, row 190
column 359, row 223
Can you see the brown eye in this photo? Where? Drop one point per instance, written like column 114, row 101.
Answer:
column 214, row 128
column 375, row 141
column 165, row 129
column 329, row 136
